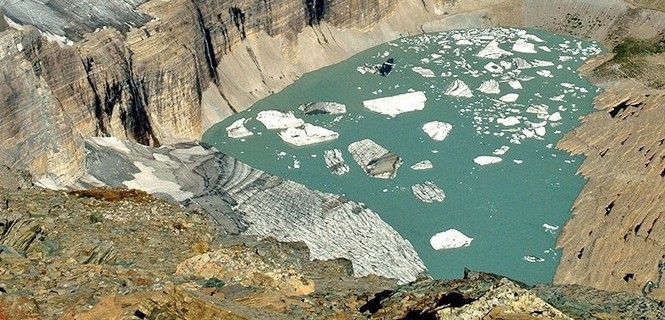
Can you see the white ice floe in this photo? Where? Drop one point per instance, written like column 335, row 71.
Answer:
column 522, row 64
column 394, row 105
column 508, row 121
column 458, row 89
column 532, row 37
column 464, row 42
column 428, row 192
column 523, row 46
column 554, row 117
column 517, row 161
column 550, row 228
column 335, row 162
column 426, row 73
column 110, row 142
column 437, row 130
column 493, row 51
column 423, row 165
column 542, row 63
column 489, row 87
column 544, row 73
column 493, row 67
column 515, row 84
column 540, row 131
column 274, row 120
column 558, row 98
column 238, row 130
column 485, row 160
column 501, row 150
column 307, row 134
column 511, row 97
column 533, row 259
column 538, row 109
column 449, row 239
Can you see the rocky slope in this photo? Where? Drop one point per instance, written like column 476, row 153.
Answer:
column 162, row 72
column 119, row 254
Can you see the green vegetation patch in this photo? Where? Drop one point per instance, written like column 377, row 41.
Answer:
column 632, row 47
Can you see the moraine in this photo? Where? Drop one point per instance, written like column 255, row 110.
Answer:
column 485, row 108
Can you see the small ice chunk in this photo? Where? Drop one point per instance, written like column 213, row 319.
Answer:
column 511, row 97
column 437, row 130
column 307, row 134
column 428, row 192
column 493, row 51
column 501, row 151
column 423, row 165
column 550, row 228
column 522, row 64
column 485, row 160
column 449, row 239
column 532, row 37
column 515, row 84
column 335, row 162
column 523, row 46
column 558, row 98
column 395, row 105
column 273, row 119
column 544, row 73
column 554, row 117
column 533, row 259
column 540, row 131
column 426, row 73
column 490, row 87
column 508, row 121
column 238, row 130
column 458, row 89
column 542, row 63
column 493, row 67
column 537, row 109
column 518, row 161
column 464, row 42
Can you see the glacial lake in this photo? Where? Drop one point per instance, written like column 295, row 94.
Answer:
column 514, row 209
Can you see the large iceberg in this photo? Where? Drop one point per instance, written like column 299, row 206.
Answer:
column 437, row 130
column 489, row 87
column 458, row 89
column 275, row 120
column 335, row 162
column 394, row 105
column 307, row 134
column 238, row 130
column 428, row 192
column 493, row 51
column 485, row 160
column 374, row 159
column 449, row 239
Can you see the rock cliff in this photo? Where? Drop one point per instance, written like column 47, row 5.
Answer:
column 161, row 72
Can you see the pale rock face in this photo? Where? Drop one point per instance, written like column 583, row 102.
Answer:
column 275, row 120
column 238, row 130
column 449, row 239
column 307, row 134
column 437, row 130
column 394, row 105
column 458, row 89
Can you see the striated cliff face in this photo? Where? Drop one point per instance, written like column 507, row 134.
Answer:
column 161, row 72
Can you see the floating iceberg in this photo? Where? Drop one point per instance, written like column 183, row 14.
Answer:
column 449, row 239
column 533, row 259
column 493, row 51
column 485, row 160
column 515, row 84
column 508, row 121
column 323, row 107
column 335, row 162
column 511, row 97
column 428, row 192
column 522, row 64
column 458, row 89
column 554, row 117
column 374, row 159
column 542, row 63
column 490, row 87
column 540, row 131
column 493, row 68
column 426, row 73
column 501, row 150
column 238, row 130
column 273, row 119
column 538, row 109
column 395, row 105
column 423, row 165
column 523, row 46
column 544, row 73
column 307, row 134
column 437, row 130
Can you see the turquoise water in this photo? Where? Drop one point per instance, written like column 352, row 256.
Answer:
column 502, row 206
